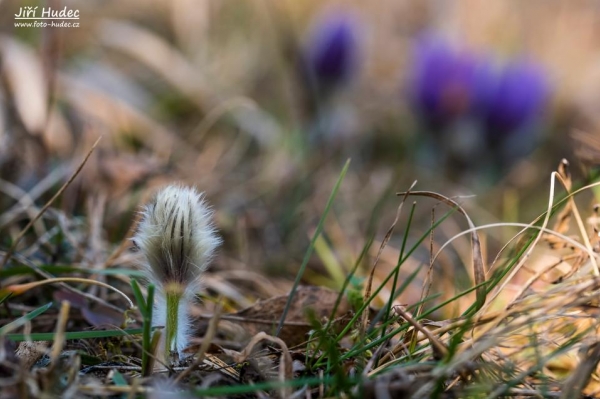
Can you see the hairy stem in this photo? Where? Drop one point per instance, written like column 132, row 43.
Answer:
column 171, row 325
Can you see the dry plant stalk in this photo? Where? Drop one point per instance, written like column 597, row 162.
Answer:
column 211, row 332
column 285, row 361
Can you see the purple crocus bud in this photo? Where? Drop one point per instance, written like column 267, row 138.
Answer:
column 330, row 56
column 443, row 80
column 515, row 99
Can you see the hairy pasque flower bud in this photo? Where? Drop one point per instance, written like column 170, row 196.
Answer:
column 178, row 240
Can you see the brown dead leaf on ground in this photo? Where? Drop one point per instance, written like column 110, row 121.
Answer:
column 264, row 315
column 95, row 315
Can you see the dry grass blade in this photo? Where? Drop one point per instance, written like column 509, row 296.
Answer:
column 25, row 205
column 386, row 239
column 574, row 385
column 439, row 350
column 22, row 233
column 562, row 222
column 543, row 227
column 478, row 264
column 18, row 289
column 285, row 366
column 26, row 200
column 242, row 101
column 565, row 178
column 557, row 237
column 428, row 278
column 170, row 63
column 46, row 275
column 210, row 334
column 61, row 327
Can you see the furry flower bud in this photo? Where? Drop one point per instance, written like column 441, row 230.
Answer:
column 178, row 240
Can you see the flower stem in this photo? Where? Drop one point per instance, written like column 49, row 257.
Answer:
column 171, row 325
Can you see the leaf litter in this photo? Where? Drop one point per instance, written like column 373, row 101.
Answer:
column 549, row 330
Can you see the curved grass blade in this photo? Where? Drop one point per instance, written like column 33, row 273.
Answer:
column 478, row 263
column 389, row 277
column 54, row 269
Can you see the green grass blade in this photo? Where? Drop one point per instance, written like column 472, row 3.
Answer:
column 497, row 278
column 311, row 247
column 388, row 278
column 74, row 335
column 118, row 379
column 363, row 253
column 388, row 306
column 448, row 301
column 146, row 306
column 139, row 297
column 394, row 295
column 262, row 386
column 147, row 332
column 24, row 319
column 5, row 297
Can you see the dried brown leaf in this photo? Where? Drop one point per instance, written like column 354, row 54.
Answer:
column 264, row 315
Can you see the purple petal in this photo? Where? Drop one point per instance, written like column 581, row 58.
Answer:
column 331, row 55
column 518, row 97
column 443, row 79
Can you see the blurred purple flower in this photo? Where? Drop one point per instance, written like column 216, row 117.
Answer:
column 514, row 98
column 479, row 116
column 331, row 54
column 448, row 83
column 444, row 80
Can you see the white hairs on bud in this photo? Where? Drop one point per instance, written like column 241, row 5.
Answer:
column 178, row 239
